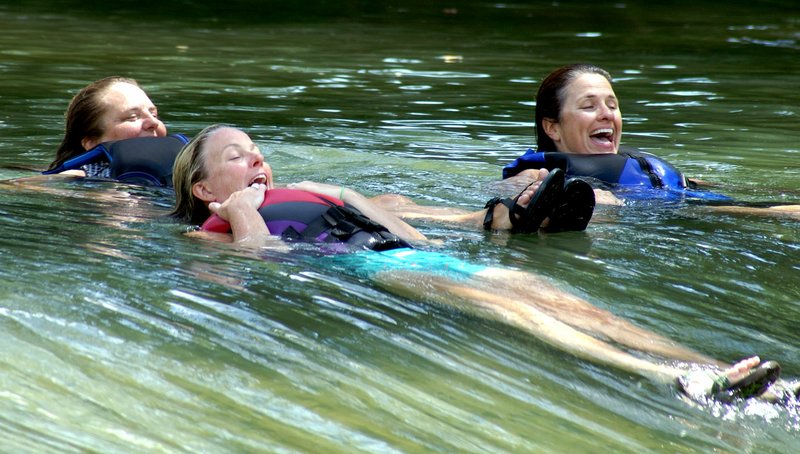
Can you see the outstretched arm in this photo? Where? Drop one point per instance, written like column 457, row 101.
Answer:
column 792, row 211
column 367, row 208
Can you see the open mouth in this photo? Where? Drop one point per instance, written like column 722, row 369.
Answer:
column 603, row 135
column 259, row 179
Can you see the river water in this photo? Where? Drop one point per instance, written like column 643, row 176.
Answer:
column 119, row 334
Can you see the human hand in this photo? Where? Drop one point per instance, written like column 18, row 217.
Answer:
column 532, row 175
column 248, row 198
column 520, row 181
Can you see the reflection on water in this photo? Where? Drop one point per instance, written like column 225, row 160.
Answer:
column 122, row 335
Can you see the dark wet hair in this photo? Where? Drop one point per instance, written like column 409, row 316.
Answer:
column 83, row 118
column 551, row 94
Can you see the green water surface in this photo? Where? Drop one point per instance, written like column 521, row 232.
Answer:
column 119, row 334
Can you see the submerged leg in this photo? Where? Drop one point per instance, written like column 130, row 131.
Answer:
column 745, row 379
column 580, row 314
column 526, row 317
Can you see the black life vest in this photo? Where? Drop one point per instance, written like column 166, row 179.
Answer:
column 297, row 215
column 629, row 169
column 144, row 161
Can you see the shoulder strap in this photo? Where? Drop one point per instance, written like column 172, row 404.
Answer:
column 344, row 224
column 644, row 164
column 96, row 154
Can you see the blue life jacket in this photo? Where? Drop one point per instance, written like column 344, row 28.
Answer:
column 297, row 215
column 634, row 173
column 145, row 161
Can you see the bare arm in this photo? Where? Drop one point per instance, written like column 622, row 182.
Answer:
column 367, row 208
column 792, row 211
column 34, row 182
column 241, row 211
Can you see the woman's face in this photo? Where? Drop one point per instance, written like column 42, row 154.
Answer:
column 591, row 121
column 128, row 113
column 232, row 162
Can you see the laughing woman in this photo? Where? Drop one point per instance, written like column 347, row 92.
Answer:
column 221, row 175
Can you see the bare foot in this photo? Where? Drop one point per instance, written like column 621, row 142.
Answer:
column 710, row 383
column 740, row 370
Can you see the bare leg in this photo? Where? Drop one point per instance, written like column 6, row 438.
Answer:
column 546, row 328
column 528, row 318
column 582, row 315
column 532, row 290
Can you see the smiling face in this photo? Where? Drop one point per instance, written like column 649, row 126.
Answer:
column 590, row 120
column 128, row 113
column 232, row 162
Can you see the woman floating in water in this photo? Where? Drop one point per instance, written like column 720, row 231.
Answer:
column 222, row 175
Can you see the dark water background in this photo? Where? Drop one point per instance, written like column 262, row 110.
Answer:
column 121, row 335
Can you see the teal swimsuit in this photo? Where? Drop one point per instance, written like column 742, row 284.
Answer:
column 367, row 264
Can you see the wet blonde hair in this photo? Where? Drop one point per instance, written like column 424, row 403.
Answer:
column 190, row 168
